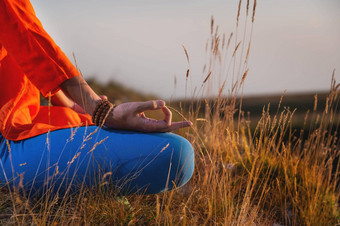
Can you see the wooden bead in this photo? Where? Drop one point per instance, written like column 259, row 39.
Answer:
column 101, row 112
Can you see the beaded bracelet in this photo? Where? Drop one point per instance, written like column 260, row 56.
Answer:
column 101, row 112
column 100, row 109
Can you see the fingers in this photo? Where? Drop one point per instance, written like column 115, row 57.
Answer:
column 103, row 97
column 142, row 115
column 131, row 116
column 149, row 105
column 152, row 125
column 174, row 126
column 167, row 115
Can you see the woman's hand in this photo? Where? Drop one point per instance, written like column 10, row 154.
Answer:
column 130, row 116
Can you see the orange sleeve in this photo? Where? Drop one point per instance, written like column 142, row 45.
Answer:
column 23, row 36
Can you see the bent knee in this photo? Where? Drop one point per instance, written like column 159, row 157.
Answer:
column 172, row 165
column 182, row 160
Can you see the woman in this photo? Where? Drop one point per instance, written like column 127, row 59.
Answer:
column 59, row 145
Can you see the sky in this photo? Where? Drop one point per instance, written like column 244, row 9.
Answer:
column 295, row 45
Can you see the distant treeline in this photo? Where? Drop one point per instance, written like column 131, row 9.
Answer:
column 254, row 105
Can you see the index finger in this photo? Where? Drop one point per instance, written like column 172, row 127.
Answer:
column 149, row 105
column 167, row 115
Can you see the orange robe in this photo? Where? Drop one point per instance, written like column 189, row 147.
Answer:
column 30, row 62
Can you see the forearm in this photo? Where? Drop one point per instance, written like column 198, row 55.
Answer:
column 60, row 99
column 81, row 93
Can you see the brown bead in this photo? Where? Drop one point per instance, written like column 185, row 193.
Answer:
column 101, row 112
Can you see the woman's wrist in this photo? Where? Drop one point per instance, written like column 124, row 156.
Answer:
column 101, row 112
column 81, row 93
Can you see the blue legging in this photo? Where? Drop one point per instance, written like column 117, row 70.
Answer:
column 134, row 162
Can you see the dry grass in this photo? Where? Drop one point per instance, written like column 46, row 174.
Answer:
column 243, row 176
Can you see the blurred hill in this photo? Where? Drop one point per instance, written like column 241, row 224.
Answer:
column 300, row 102
column 118, row 93
column 306, row 107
